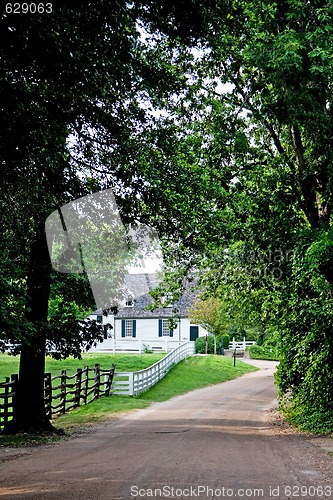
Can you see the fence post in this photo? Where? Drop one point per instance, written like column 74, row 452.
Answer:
column 15, row 381
column 131, row 384
column 6, row 399
column 109, row 380
column 244, row 344
column 86, row 382
column 48, row 394
column 97, row 380
column 63, row 391
column 78, row 383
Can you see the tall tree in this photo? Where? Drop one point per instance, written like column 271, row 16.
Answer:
column 76, row 92
column 272, row 122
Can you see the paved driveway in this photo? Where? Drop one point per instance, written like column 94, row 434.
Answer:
column 218, row 442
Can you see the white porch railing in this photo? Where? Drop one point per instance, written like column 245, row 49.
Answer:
column 132, row 383
column 165, row 344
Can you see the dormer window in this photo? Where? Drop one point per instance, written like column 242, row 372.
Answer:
column 165, row 301
column 129, row 300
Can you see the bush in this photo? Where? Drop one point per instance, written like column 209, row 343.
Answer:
column 226, row 342
column 200, row 344
column 263, row 352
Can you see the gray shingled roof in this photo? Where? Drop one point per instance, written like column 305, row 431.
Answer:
column 139, row 286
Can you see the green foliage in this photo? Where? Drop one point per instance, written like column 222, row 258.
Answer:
column 209, row 314
column 263, row 352
column 307, row 418
column 238, row 333
column 81, row 93
column 234, row 180
column 200, row 344
column 226, row 341
column 274, row 269
column 305, row 376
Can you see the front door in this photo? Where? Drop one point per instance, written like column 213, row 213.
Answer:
column 194, row 333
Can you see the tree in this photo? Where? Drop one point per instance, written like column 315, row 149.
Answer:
column 265, row 155
column 233, row 166
column 262, row 140
column 77, row 90
column 209, row 314
column 276, row 147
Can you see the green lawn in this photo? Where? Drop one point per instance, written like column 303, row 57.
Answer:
column 124, row 362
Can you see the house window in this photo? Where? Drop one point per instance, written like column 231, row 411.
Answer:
column 99, row 318
column 128, row 328
column 164, row 328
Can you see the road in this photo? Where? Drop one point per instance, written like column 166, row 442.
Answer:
column 218, row 442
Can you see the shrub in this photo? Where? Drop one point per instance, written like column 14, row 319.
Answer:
column 263, row 352
column 226, row 342
column 200, row 344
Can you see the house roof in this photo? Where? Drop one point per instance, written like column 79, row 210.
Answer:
column 139, row 286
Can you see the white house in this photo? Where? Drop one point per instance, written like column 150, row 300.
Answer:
column 134, row 327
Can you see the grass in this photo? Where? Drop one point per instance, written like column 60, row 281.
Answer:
column 124, row 362
column 193, row 373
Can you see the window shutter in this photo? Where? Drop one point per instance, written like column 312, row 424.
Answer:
column 171, row 333
column 134, row 328
column 123, row 328
column 160, row 328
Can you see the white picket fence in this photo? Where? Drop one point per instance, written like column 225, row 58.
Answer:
column 241, row 346
column 132, row 383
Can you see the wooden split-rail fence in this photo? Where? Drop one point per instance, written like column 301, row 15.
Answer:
column 8, row 390
column 62, row 392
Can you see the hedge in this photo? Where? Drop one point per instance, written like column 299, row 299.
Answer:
column 200, row 344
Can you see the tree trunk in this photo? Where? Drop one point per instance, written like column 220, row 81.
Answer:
column 30, row 415
column 307, row 182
